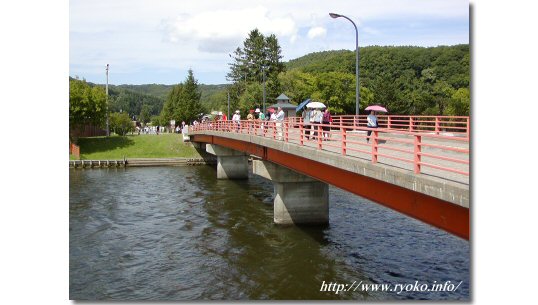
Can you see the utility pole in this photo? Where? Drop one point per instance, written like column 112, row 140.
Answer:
column 263, row 79
column 228, row 104
column 107, row 128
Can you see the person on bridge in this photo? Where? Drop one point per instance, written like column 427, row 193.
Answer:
column 317, row 116
column 250, row 119
column 236, row 118
column 306, row 122
column 326, row 124
column 261, row 118
column 279, row 118
column 372, row 123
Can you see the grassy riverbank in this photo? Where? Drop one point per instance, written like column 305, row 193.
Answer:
column 135, row 146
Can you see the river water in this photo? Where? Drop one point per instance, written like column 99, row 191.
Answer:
column 178, row 233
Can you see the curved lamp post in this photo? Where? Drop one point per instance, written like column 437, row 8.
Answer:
column 357, row 95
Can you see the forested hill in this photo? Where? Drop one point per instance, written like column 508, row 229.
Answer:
column 406, row 79
column 157, row 90
column 450, row 63
column 326, row 61
column 131, row 98
column 210, row 94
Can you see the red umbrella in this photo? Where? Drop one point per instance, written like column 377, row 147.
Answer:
column 376, row 108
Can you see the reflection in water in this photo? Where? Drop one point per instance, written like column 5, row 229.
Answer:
column 178, row 233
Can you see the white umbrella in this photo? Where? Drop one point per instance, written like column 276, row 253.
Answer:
column 315, row 105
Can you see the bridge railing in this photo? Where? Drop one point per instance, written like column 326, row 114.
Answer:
column 418, row 143
column 458, row 125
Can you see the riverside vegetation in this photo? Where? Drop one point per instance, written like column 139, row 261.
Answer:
column 166, row 145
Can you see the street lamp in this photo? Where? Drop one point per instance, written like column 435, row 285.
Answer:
column 357, row 95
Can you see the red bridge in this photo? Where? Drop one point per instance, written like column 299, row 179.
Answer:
column 416, row 165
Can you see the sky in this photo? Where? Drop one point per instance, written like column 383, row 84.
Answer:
column 157, row 41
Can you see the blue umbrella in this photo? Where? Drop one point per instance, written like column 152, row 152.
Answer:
column 301, row 105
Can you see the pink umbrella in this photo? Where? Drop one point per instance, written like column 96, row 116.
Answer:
column 376, row 108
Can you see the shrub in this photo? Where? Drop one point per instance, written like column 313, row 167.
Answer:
column 120, row 123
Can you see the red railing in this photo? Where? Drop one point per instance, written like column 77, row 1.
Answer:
column 437, row 143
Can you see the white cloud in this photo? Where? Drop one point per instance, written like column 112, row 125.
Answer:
column 221, row 31
column 317, row 32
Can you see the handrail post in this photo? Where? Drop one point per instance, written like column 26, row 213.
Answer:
column 418, row 156
column 320, row 135
column 285, row 130
column 468, row 128
column 410, row 123
column 436, row 125
column 344, row 140
column 388, row 122
column 274, row 129
column 301, row 134
column 374, row 146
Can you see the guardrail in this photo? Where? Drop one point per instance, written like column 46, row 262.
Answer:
column 436, row 142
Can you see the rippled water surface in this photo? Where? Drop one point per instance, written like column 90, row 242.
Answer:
column 178, row 233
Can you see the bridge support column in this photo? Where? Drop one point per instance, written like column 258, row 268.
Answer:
column 299, row 199
column 231, row 164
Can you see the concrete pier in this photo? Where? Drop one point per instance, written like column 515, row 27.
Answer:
column 299, row 199
column 231, row 164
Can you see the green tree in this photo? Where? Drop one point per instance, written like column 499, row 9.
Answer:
column 251, row 98
column 460, row 103
column 120, row 123
column 297, row 85
column 183, row 102
column 337, row 91
column 145, row 115
column 87, row 105
column 260, row 58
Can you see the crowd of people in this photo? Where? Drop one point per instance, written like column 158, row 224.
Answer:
column 275, row 117
column 139, row 129
column 315, row 118
column 312, row 120
column 152, row 129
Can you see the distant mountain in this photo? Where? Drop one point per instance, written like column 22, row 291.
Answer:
column 157, row 90
column 162, row 91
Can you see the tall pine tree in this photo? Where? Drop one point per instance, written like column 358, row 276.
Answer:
column 183, row 102
column 260, row 56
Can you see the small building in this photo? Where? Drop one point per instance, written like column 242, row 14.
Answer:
column 284, row 102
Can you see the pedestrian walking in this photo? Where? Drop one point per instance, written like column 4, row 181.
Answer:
column 372, row 123
column 279, row 119
column 306, row 122
column 326, row 120
column 316, row 125
column 236, row 119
